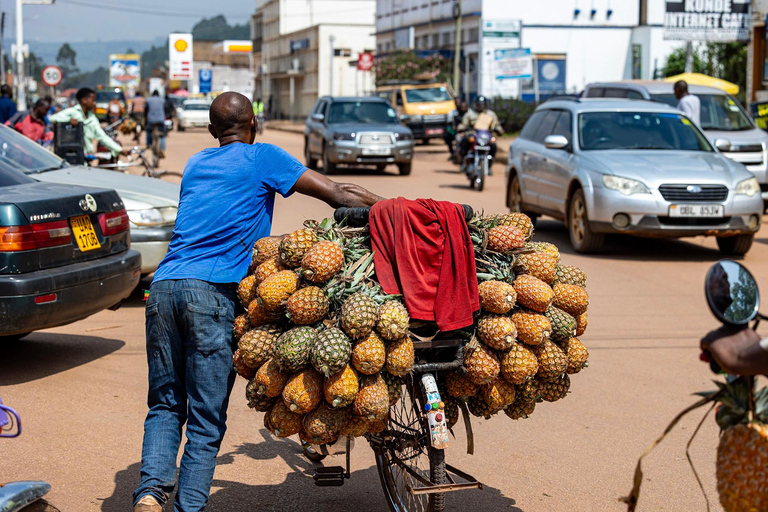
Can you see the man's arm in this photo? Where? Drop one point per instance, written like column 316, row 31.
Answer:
column 105, row 139
column 335, row 194
column 61, row 117
column 737, row 350
column 465, row 124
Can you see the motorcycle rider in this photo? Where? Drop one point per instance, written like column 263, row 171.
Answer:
column 479, row 118
column 738, row 350
column 451, row 134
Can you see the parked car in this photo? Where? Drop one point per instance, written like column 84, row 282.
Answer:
column 356, row 131
column 193, row 114
column 427, row 106
column 64, row 253
column 151, row 204
column 722, row 118
column 634, row 167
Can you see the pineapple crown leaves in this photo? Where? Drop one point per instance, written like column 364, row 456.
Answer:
column 734, row 398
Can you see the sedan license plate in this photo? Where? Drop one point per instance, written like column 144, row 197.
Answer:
column 435, row 131
column 85, row 236
column 696, row 210
column 376, row 151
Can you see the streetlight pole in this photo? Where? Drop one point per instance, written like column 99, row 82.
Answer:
column 457, row 46
column 332, row 39
column 21, row 93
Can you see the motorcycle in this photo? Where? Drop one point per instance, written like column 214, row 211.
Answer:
column 477, row 162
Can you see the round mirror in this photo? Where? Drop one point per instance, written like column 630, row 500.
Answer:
column 732, row 293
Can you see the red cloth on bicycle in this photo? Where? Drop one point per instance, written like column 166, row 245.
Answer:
column 423, row 251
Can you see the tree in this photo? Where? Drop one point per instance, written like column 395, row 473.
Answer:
column 66, row 59
column 217, row 29
column 727, row 61
column 407, row 65
column 676, row 62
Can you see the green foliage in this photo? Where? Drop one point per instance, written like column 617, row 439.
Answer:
column 727, row 61
column 406, row 65
column 153, row 58
column 92, row 79
column 512, row 113
column 676, row 62
column 744, row 295
column 66, row 59
column 217, row 29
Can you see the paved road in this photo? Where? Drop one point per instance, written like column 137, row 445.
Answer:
column 81, row 389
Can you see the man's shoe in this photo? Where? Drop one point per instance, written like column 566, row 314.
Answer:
column 148, row 503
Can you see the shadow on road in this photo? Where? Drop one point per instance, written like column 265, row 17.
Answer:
column 43, row 354
column 390, row 170
column 136, row 299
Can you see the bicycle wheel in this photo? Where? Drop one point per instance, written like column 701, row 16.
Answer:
column 406, row 444
column 172, row 176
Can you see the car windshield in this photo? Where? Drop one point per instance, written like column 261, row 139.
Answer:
column 427, row 95
column 368, row 112
column 21, row 153
column 10, row 177
column 639, row 130
column 718, row 111
column 197, row 106
column 107, row 96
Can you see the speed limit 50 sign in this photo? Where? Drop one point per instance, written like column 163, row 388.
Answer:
column 52, row 76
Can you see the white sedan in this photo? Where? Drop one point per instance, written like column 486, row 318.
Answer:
column 194, row 113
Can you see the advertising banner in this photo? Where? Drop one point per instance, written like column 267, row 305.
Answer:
column 707, row 20
column 515, row 63
column 499, row 38
column 206, row 80
column 180, row 56
column 124, row 70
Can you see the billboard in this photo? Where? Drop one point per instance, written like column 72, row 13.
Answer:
column 707, row 20
column 124, row 70
column 515, row 63
column 498, row 40
column 180, row 57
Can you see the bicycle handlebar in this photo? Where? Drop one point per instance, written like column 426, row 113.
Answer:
column 358, row 217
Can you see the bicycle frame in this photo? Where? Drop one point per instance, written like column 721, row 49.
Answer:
column 9, row 419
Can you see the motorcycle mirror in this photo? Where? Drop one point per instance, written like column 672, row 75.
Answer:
column 732, row 293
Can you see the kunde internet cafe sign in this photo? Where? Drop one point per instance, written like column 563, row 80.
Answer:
column 707, row 20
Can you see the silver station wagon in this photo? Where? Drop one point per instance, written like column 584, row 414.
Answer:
column 636, row 167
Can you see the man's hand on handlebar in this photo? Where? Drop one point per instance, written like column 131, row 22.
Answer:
column 126, row 152
column 737, row 350
column 73, row 122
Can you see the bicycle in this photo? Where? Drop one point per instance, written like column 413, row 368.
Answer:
column 155, row 146
column 138, row 158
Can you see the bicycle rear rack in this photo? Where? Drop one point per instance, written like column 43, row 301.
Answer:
column 432, row 488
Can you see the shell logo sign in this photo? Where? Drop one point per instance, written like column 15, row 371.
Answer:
column 180, row 56
column 180, row 45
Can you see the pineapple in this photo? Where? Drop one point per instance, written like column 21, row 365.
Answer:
column 307, row 306
column 268, row 268
column 581, row 324
column 270, row 379
column 372, row 400
column 482, row 365
column 577, row 354
column 359, row 315
column 498, row 394
column 544, row 247
column 518, row 220
column 277, row 288
column 532, row 328
column 281, row 421
column 539, row 264
column 571, row 298
column 393, row 320
column 331, row 352
column 356, row 426
column 742, row 467
column 377, row 426
column 459, row 385
column 530, row 391
column 563, row 324
column 340, row 389
column 242, row 369
column 400, row 356
column 394, row 387
column 451, row 411
column 505, row 238
column 322, row 261
column 240, row 327
column 265, row 248
column 259, row 315
column 369, row 354
column 257, row 344
column 554, row 390
column 479, row 407
column 295, row 245
column 324, row 424
column 552, row 361
column 496, row 331
column 533, row 293
column 293, row 348
column 246, row 290
column 520, row 409
column 303, row 391
column 260, row 403
column 497, row 297
column 519, row 364
column 571, row 275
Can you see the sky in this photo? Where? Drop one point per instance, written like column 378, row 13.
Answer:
column 116, row 20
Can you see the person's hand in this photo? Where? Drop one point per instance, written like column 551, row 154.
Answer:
column 73, row 122
column 729, row 344
column 125, row 151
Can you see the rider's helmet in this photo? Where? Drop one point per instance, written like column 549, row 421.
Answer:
column 481, row 104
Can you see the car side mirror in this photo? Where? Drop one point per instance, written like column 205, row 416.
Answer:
column 723, row 144
column 318, row 117
column 556, row 142
column 732, row 293
column 405, row 118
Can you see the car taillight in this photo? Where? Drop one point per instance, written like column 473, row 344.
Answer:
column 36, row 236
column 113, row 223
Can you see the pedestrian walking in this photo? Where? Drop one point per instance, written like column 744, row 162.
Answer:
column 688, row 103
column 226, row 204
column 155, row 114
column 7, row 105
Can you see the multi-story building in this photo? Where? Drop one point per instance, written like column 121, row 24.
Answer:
column 304, row 49
column 574, row 41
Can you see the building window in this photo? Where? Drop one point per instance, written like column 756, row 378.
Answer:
column 435, row 40
column 379, row 48
column 425, row 42
column 473, row 35
column 447, row 38
column 386, row 47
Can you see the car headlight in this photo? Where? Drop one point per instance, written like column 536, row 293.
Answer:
column 625, row 186
column 748, row 187
column 169, row 214
column 343, row 136
column 404, row 136
column 417, row 118
column 153, row 216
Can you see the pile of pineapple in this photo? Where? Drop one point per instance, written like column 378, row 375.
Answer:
column 325, row 350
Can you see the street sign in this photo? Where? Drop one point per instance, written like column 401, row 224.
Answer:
column 365, row 62
column 180, row 56
column 206, row 80
column 51, row 76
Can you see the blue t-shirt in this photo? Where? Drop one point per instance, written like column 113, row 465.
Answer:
column 227, row 199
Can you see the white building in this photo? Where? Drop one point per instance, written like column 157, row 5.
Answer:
column 575, row 41
column 293, row 43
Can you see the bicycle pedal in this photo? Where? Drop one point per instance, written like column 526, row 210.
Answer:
column 332, row 476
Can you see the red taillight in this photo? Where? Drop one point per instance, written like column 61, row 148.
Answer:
column 36, row 236
column 51, row 234
column 17, row 238
column 113, row 223
column 45, row 299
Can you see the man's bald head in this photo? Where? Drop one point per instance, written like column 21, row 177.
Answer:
column 231, row 115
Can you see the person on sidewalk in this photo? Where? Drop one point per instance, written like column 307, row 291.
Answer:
column 32, row 123
column 226, row 204
column 688, row 103
column 7, row 105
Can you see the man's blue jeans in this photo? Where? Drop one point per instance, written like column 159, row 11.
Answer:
column 189, row 352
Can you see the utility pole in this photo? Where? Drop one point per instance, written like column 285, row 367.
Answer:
column 21, row 93
column 457, row 46
column 332, row 39
column 2, row 49
column 689, row 57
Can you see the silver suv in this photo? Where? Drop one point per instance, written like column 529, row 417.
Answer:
column 722, row 118
column 638, row 167
column 356, row 131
